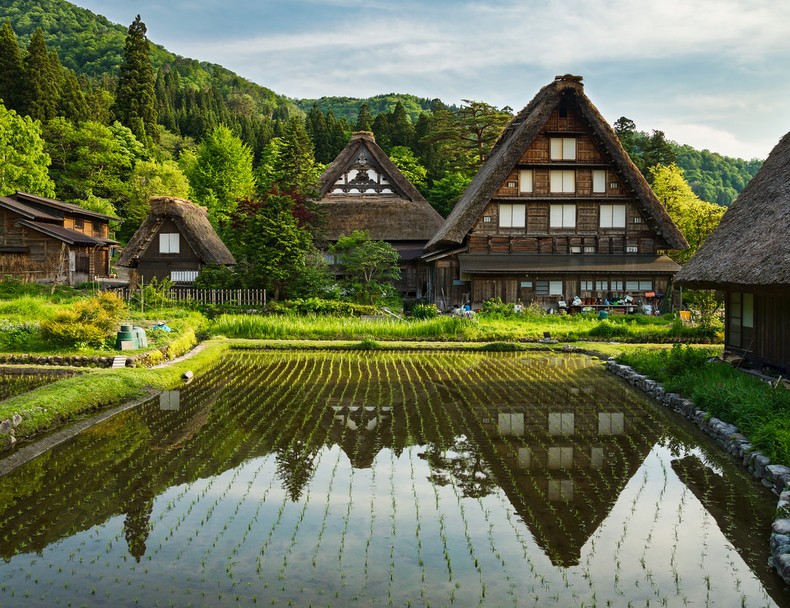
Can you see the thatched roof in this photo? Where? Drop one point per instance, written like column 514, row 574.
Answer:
column 391, row 210
column 192, row 222
column 748, row 248
column 515, row 140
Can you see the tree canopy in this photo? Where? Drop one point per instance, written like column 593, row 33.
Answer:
column 23, row 161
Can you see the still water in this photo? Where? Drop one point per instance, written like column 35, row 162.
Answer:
column 388, row 479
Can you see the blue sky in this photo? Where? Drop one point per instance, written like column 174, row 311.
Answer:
column 709, row 73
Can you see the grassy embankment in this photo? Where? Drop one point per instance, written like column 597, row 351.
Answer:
column 760, row 411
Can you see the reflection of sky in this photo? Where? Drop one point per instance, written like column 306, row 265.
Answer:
column 362, row 533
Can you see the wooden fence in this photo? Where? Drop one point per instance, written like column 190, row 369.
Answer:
column 238, row 297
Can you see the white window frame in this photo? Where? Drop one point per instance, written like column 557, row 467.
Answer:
column 562, row 148
column 616, row 285
column 602, row 285
column 611, row 216
column 525, row 181
column 585, row 285
column 562, row 181
column 169, row 242
column 599, row 181
column 562, row 215
column 639, row 285
column 548, row 288
column 512, row 215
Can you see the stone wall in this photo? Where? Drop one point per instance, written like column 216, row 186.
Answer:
column 774, row 476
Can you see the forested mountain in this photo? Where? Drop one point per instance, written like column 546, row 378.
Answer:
column 348, row 107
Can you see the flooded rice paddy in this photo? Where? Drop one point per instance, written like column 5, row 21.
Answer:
column 388, row 479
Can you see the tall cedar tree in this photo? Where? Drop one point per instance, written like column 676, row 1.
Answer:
column 11, row 68
column 134, row 98
column 364, row 119
column 40, row 92
column 298, row 171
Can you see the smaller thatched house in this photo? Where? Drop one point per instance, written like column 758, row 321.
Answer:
column 175, row 241
column 362, row 189
column 747, row 258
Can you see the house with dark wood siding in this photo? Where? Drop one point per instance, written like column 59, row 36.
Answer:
column 747, row 258
column 174, row 242
column 362, row 189
column 42, row 239
column 558, row 210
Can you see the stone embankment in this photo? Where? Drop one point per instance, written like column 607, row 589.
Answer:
column 774, row 476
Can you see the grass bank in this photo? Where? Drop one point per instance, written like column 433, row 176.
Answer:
column 53, row 405
column 760, row 411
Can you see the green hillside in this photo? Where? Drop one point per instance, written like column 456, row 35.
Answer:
column 348, row 107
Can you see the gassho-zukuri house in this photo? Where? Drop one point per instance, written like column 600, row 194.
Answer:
column 362, row 189
column 747, row 258
column 174, row 242
column 557, row 211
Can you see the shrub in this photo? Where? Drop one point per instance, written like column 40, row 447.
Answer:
column 496, row 307
column 87, row 323
column 424, row 311
column 609, row 329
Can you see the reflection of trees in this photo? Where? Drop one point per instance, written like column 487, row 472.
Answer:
column 295, row 466
column 461, row 464
column 137, row 524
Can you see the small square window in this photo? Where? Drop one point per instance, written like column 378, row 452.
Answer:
column 632, row 249
column 79, row 222
column 637, row 220
column 586, row 285
column 576, row 249
column 613, row 185
column 486, row 219
column 512, row 184
column 589, row 249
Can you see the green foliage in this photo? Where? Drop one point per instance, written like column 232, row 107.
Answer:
column 607, row 329
column 11, row 67
column 217, row 277
column 759, row 410
column 367, row 266
column 221, row 174
column 273, row 250
column 87, row 323
column 365, row 344
column 349, row 108
column 495, row 307
column 151, row 178
column 424, row 311
column 25, row 161
column 446, row 192
column 134, row 97
column 695, row 218
column 321, row 307
column 411, row 168
column 41, row 84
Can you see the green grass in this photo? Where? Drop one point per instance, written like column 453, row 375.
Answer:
column 760, row 411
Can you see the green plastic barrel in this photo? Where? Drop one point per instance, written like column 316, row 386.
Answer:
column 604, row 314
column 125, row 334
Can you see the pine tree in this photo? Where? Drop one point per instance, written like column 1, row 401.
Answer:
column 364, row 119
column 134, row 98
column 42, row 80
column 402, row 133
column 298, row 171
column 316, row 125
column 11, row 68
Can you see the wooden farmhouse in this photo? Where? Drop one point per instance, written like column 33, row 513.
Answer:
column 42, row 239
column 174, row 242
column 746, row 258
column 362, row 189
column 557, row 211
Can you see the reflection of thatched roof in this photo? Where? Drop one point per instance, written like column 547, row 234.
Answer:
column 401, row 214
column 748, row 248
column 192, row 222
column 515, row 140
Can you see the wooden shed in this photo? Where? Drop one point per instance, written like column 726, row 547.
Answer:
column 362, row 189
column 557, row 211
column 747, row 258
column 42, row 239
column 174, row 242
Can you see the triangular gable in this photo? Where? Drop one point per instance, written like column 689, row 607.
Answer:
column 362, row 167
column 516, row 139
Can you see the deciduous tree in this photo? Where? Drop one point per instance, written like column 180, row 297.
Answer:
column 367, row 266
column 23, row 159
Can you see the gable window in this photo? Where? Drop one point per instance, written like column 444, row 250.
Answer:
column 612, row 216
column 562, row 148
column 599, row 181
column 169, row 242
column 525, row 180
column 562, row 216
column 512, row 216
column 79, row 223
column 562, row 181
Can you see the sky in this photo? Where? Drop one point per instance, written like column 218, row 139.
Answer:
column 709, row 73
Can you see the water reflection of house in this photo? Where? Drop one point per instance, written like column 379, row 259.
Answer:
column 564, row 462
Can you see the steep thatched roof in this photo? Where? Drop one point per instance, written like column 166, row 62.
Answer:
column 749, row 247
column 515, row 140
column 192, row 222
column 390, row 210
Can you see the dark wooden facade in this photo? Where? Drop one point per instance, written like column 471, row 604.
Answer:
column 169, row 256
column 757, row 326
column 562, row 213
column 44, row 240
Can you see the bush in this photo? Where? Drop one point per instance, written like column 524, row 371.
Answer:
column 496, row 308
column 321, row 307
column 609, row 329
column 424, row 311
column 87, row 323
